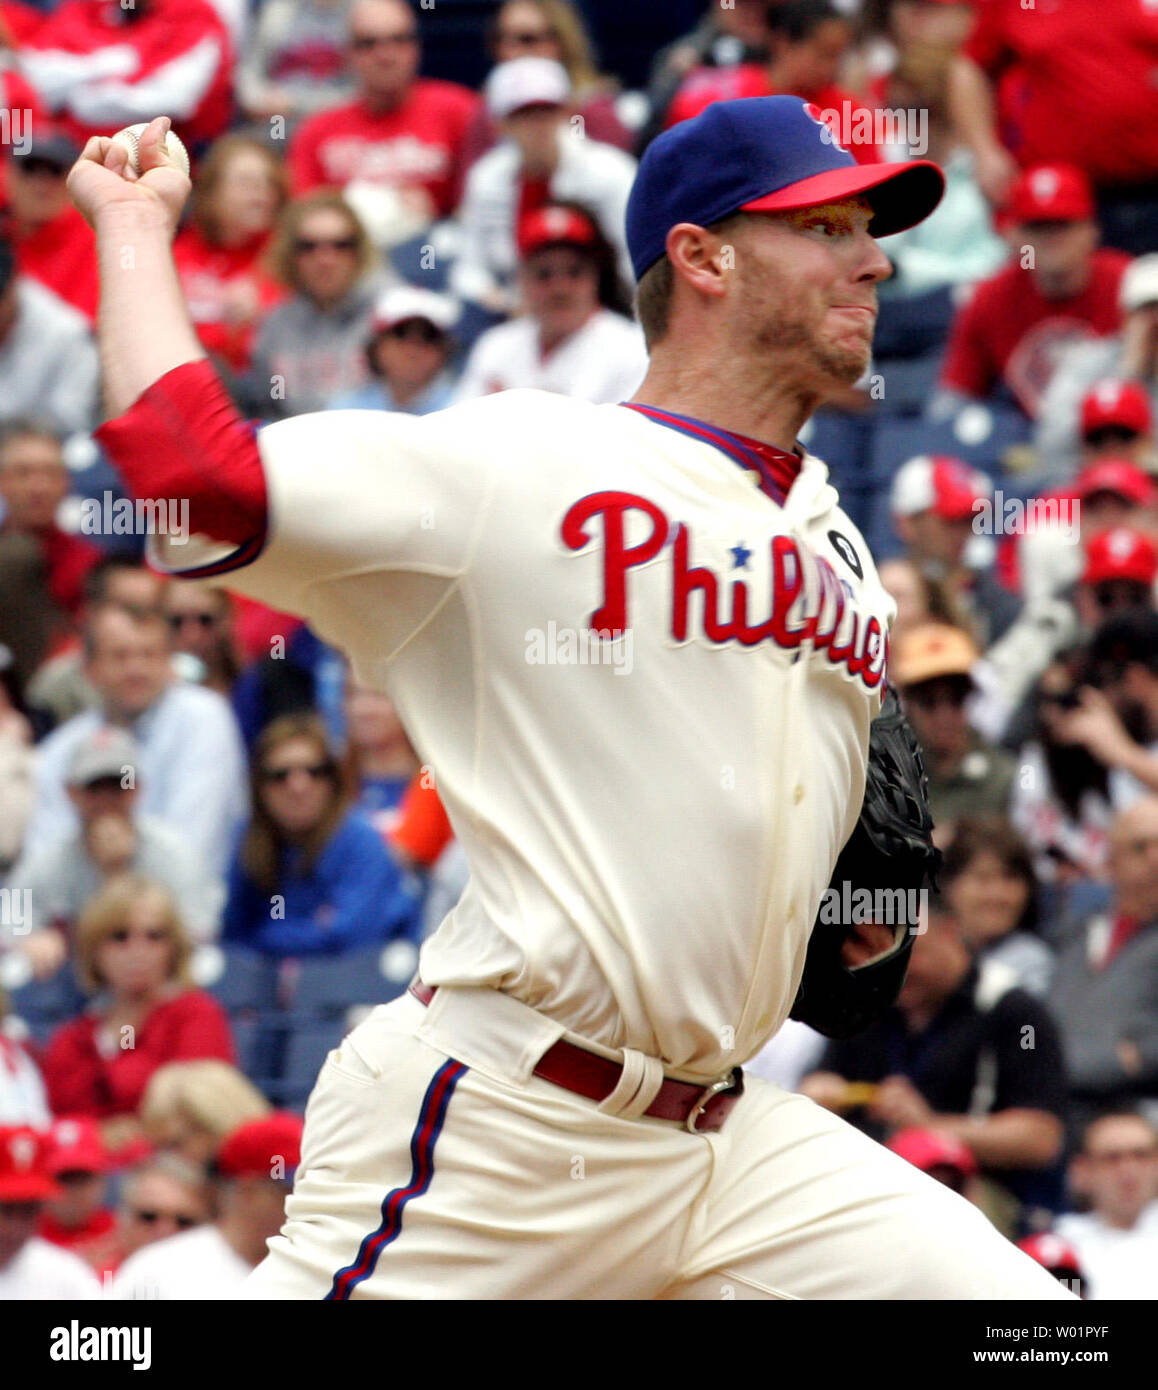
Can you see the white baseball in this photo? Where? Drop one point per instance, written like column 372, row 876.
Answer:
column 130, row 138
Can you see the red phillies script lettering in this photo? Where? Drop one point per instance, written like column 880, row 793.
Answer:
column 808, row 603
column 618, row 557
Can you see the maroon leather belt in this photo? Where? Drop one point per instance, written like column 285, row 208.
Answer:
column 699, row 1108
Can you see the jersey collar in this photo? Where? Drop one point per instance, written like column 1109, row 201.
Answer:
column 776, row 470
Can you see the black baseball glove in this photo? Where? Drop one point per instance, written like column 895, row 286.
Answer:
column 878, row 877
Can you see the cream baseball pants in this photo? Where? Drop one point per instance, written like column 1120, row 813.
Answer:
column 435, row 1165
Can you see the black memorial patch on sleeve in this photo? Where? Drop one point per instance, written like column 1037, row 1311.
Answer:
column 847, row 552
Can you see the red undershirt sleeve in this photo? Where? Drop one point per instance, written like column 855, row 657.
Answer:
column 184, row 439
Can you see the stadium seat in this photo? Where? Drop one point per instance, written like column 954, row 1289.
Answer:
column 841, row 438
column 260, row 1040
column 987, row 437
column 43, row 1005
column 239, row 979
column 306, row 1050
column 329, row 986
column 914, row 325
column 906, row 384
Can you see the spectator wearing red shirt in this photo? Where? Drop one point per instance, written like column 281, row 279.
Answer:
column 809, row 40
column 240, row 191
column 33, row 483
column 52, row 241
column 1058, row 289
column 551, row 29
column 102, row 65
column 1067, row 83
column 402, row 132
column 132, row 953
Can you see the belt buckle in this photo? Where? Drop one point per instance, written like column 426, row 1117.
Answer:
column 722, row 1083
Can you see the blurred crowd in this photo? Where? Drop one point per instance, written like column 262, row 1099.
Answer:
column 217, row 848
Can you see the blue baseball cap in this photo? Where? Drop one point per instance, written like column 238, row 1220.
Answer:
column 763, row 154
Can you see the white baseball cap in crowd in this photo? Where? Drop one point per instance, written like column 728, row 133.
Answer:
column 403, row 302
column 107, row 752
column 936, row 483
column 1139, row 284
column 526, row 82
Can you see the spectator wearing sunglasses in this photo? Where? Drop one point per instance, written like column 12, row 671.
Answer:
column 576, row 338
column 312, row 347
column 132, row 958
column 311, row 875
column 543, row 159
column 402, row 135
column 932, row 666
column 551, row 29
column 161, row 1197
column 52, row 241
column 113, row 837
column 200, row 620
column 408, row 353
column 252, row 1174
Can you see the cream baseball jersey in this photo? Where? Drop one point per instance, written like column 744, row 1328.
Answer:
column 650, row 815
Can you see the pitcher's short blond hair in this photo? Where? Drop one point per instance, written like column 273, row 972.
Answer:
column 208, row 1094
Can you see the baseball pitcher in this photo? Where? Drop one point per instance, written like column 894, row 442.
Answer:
column 642, row 648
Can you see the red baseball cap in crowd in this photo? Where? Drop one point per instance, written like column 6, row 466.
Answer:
column 1124, row 404
column 76, row 1146
column 1051, row 193
column 1122, row 552
column 932, row 1148
column 269, row 1147
column 24, row 1175
column 1052, row 1252
column 1120, row 476
column 553, row 226
column 940, row 484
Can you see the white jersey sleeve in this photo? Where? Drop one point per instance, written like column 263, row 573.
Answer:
column 355, row 493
